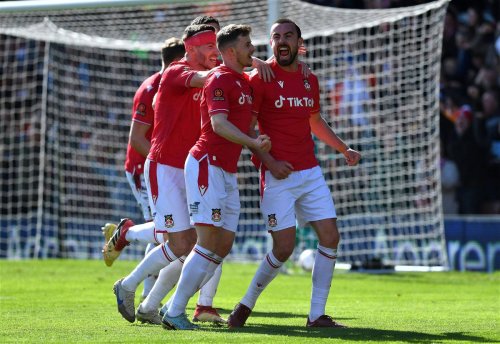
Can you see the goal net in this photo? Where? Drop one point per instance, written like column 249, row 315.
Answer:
column 67, row 79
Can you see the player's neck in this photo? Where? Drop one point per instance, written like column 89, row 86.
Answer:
column 234, row 65
column 290, row 68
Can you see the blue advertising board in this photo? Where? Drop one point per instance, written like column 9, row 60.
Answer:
column 473, row 243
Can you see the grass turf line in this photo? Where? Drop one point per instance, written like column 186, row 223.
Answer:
column 70, row 301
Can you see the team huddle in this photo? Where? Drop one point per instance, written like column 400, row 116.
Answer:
column 190, row 122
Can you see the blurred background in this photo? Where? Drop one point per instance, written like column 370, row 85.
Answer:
column 414, row 85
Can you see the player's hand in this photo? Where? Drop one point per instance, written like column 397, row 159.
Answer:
column 280, row 169
column 306, row 71
column 302, row 50
column 264, row 70
column 352, row 157
column 263, row 143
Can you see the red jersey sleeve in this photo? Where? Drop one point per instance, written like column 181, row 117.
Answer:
column 315, row 89
column 258, row 93
column 180, row 75
column 217, row 95
column 143, row 110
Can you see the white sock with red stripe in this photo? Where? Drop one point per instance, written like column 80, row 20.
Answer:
column 149, row 281
column 198, row 265
column 322, row 275
column 267, row 271
column 167, row 279
column 157, row 259
column 144, row 232
column 208, row 289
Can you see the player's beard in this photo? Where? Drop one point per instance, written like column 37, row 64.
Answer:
column 207, row 62
column 288, row 60
column 245, row 60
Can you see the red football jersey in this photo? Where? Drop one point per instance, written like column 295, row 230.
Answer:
column 177, row 116
column 229, row 92
column 283, row 107
column 142, row 112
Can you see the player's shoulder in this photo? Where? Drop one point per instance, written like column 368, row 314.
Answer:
column 177, row 67
column 222, row 74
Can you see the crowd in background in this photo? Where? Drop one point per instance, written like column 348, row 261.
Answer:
column 469, row 102
column 470, row 106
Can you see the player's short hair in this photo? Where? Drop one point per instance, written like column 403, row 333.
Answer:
column 172, row 49
column 229, row 34
column 192, row 30
column 205, row 20
column 289, row 21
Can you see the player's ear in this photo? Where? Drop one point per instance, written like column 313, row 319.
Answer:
column 301, row 41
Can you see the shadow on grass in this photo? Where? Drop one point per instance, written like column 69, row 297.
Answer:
column 356, row 334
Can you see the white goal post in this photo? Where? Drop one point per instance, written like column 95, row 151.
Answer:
column 68, row 76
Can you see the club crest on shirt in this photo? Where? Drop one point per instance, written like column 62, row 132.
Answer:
column 218, row 94
column 307, row 85
column 216, row 215
column 141, row 109
column 169, row 221
column 271, row 220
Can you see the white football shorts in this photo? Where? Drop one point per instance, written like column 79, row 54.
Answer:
column 212, row 194
column 167, row 196
column 302, row 197
column 140, row 191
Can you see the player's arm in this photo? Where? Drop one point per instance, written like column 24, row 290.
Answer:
column 325, row 133
column 137, row 138
column 199, row 78
column 264, row 70
column 229, row 131
column 279, row 169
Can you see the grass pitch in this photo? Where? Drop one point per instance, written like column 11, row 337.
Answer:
column 68, row 301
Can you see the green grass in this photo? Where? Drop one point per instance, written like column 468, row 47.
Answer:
column 68, row 301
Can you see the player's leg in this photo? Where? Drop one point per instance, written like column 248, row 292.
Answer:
column 151, row 279
column 277, row 206
column 126, row 232
column 205, row 312
column 316, row 207
column 147, row 311
column 214, row 204
column 171, row 215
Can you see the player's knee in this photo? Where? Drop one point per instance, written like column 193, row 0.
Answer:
column 183, row 246
column 283, row 252
column 331, row 240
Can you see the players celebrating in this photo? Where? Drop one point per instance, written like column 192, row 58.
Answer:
column 211, row 166
column 287, row 110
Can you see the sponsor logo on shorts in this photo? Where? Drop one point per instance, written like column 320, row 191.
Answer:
column 271, row 220
column 169, row 221
column 193, row 208
column 216, row 215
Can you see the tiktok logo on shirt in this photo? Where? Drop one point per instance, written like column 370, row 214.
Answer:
column 245, row 98
column 294, row 102
column 197, row 96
